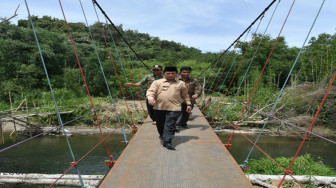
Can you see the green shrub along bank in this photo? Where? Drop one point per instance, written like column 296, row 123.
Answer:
column 303, row 165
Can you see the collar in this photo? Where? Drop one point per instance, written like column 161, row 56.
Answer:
column 180, row 78
column 160, row 75
column 165, row 80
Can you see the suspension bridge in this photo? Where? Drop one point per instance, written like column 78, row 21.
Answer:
column 200, row 158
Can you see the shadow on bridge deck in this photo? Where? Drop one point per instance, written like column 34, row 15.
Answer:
column 200, row 160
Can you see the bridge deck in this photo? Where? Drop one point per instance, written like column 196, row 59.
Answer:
column 200, row 160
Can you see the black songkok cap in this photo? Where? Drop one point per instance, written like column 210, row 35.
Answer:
column 170, row 69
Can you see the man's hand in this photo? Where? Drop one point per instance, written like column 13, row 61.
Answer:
column 128, row 84
column 151, row 102
column 189, row 109
column 195, row 96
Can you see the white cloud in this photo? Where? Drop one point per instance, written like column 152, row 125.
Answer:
column 209, row 25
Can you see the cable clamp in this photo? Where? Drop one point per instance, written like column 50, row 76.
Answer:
column 228, row 146
column 134, row 130
column 288, row 172
column 73, row 163
column 109, row 163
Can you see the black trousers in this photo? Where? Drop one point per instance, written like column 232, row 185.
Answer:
column 184, row 117
column 165, row 123
column 150, row 110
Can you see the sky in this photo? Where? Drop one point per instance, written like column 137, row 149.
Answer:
column 208, row 25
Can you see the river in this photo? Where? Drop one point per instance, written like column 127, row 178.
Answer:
column 50, row 154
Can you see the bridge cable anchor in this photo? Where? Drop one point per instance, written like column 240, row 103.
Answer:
column 110, row 163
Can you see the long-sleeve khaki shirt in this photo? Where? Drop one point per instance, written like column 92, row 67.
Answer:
column 168, row 95
column 194, row 87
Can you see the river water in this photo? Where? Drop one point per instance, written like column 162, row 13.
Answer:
column 277, row 146
column 51, row 155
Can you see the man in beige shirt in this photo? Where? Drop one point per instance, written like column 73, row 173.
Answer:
column 166, row 95
column 149, row 79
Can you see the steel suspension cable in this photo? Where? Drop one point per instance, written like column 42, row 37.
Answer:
column 123, row 70
column 226, row 75
column 102, row 70
column 84, row 80
column 44, row 132
column 204, row 107
column 216, row 76
column 207, row 83
column 241, row 34
column 136, row 76
column 140, row 67
column 103, row 12
column 221, row 86
column 52, row 93
column 262, row 151
column 285, row 83
column 255, row 53
column 283, row 121
column 74, row 164
column 228, row 89
column 114, row 67
column 120, row 47
column 230, row 139
column 320, row 106
column 210, row 72
column 276, row 118
column 288, row 172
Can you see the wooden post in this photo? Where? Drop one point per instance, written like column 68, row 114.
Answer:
column 49, row 116
column 59, row 123
column 11, row 104
column 30, row 127
column 2, row 136
column 36, row 111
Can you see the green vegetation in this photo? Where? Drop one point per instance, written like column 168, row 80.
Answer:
column 22, row 74
column 303, row 165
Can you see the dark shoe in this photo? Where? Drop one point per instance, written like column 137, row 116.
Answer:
column 170, row 146
column 177, row 129
column 185, row 126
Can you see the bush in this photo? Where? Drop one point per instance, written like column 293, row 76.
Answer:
column 303, row 165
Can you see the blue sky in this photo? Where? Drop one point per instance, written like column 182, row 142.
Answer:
column 209, row 25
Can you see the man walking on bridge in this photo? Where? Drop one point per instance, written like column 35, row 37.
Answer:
column 194, row 91
column 166, row 95
column 149, row 79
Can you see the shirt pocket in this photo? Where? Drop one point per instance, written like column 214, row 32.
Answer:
column 164, row 88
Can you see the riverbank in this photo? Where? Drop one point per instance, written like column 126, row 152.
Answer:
column 273, row 131
column 258, row 180
column 9, row 128
column 56, row 162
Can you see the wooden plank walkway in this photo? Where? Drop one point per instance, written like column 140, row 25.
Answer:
column 200, row 160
